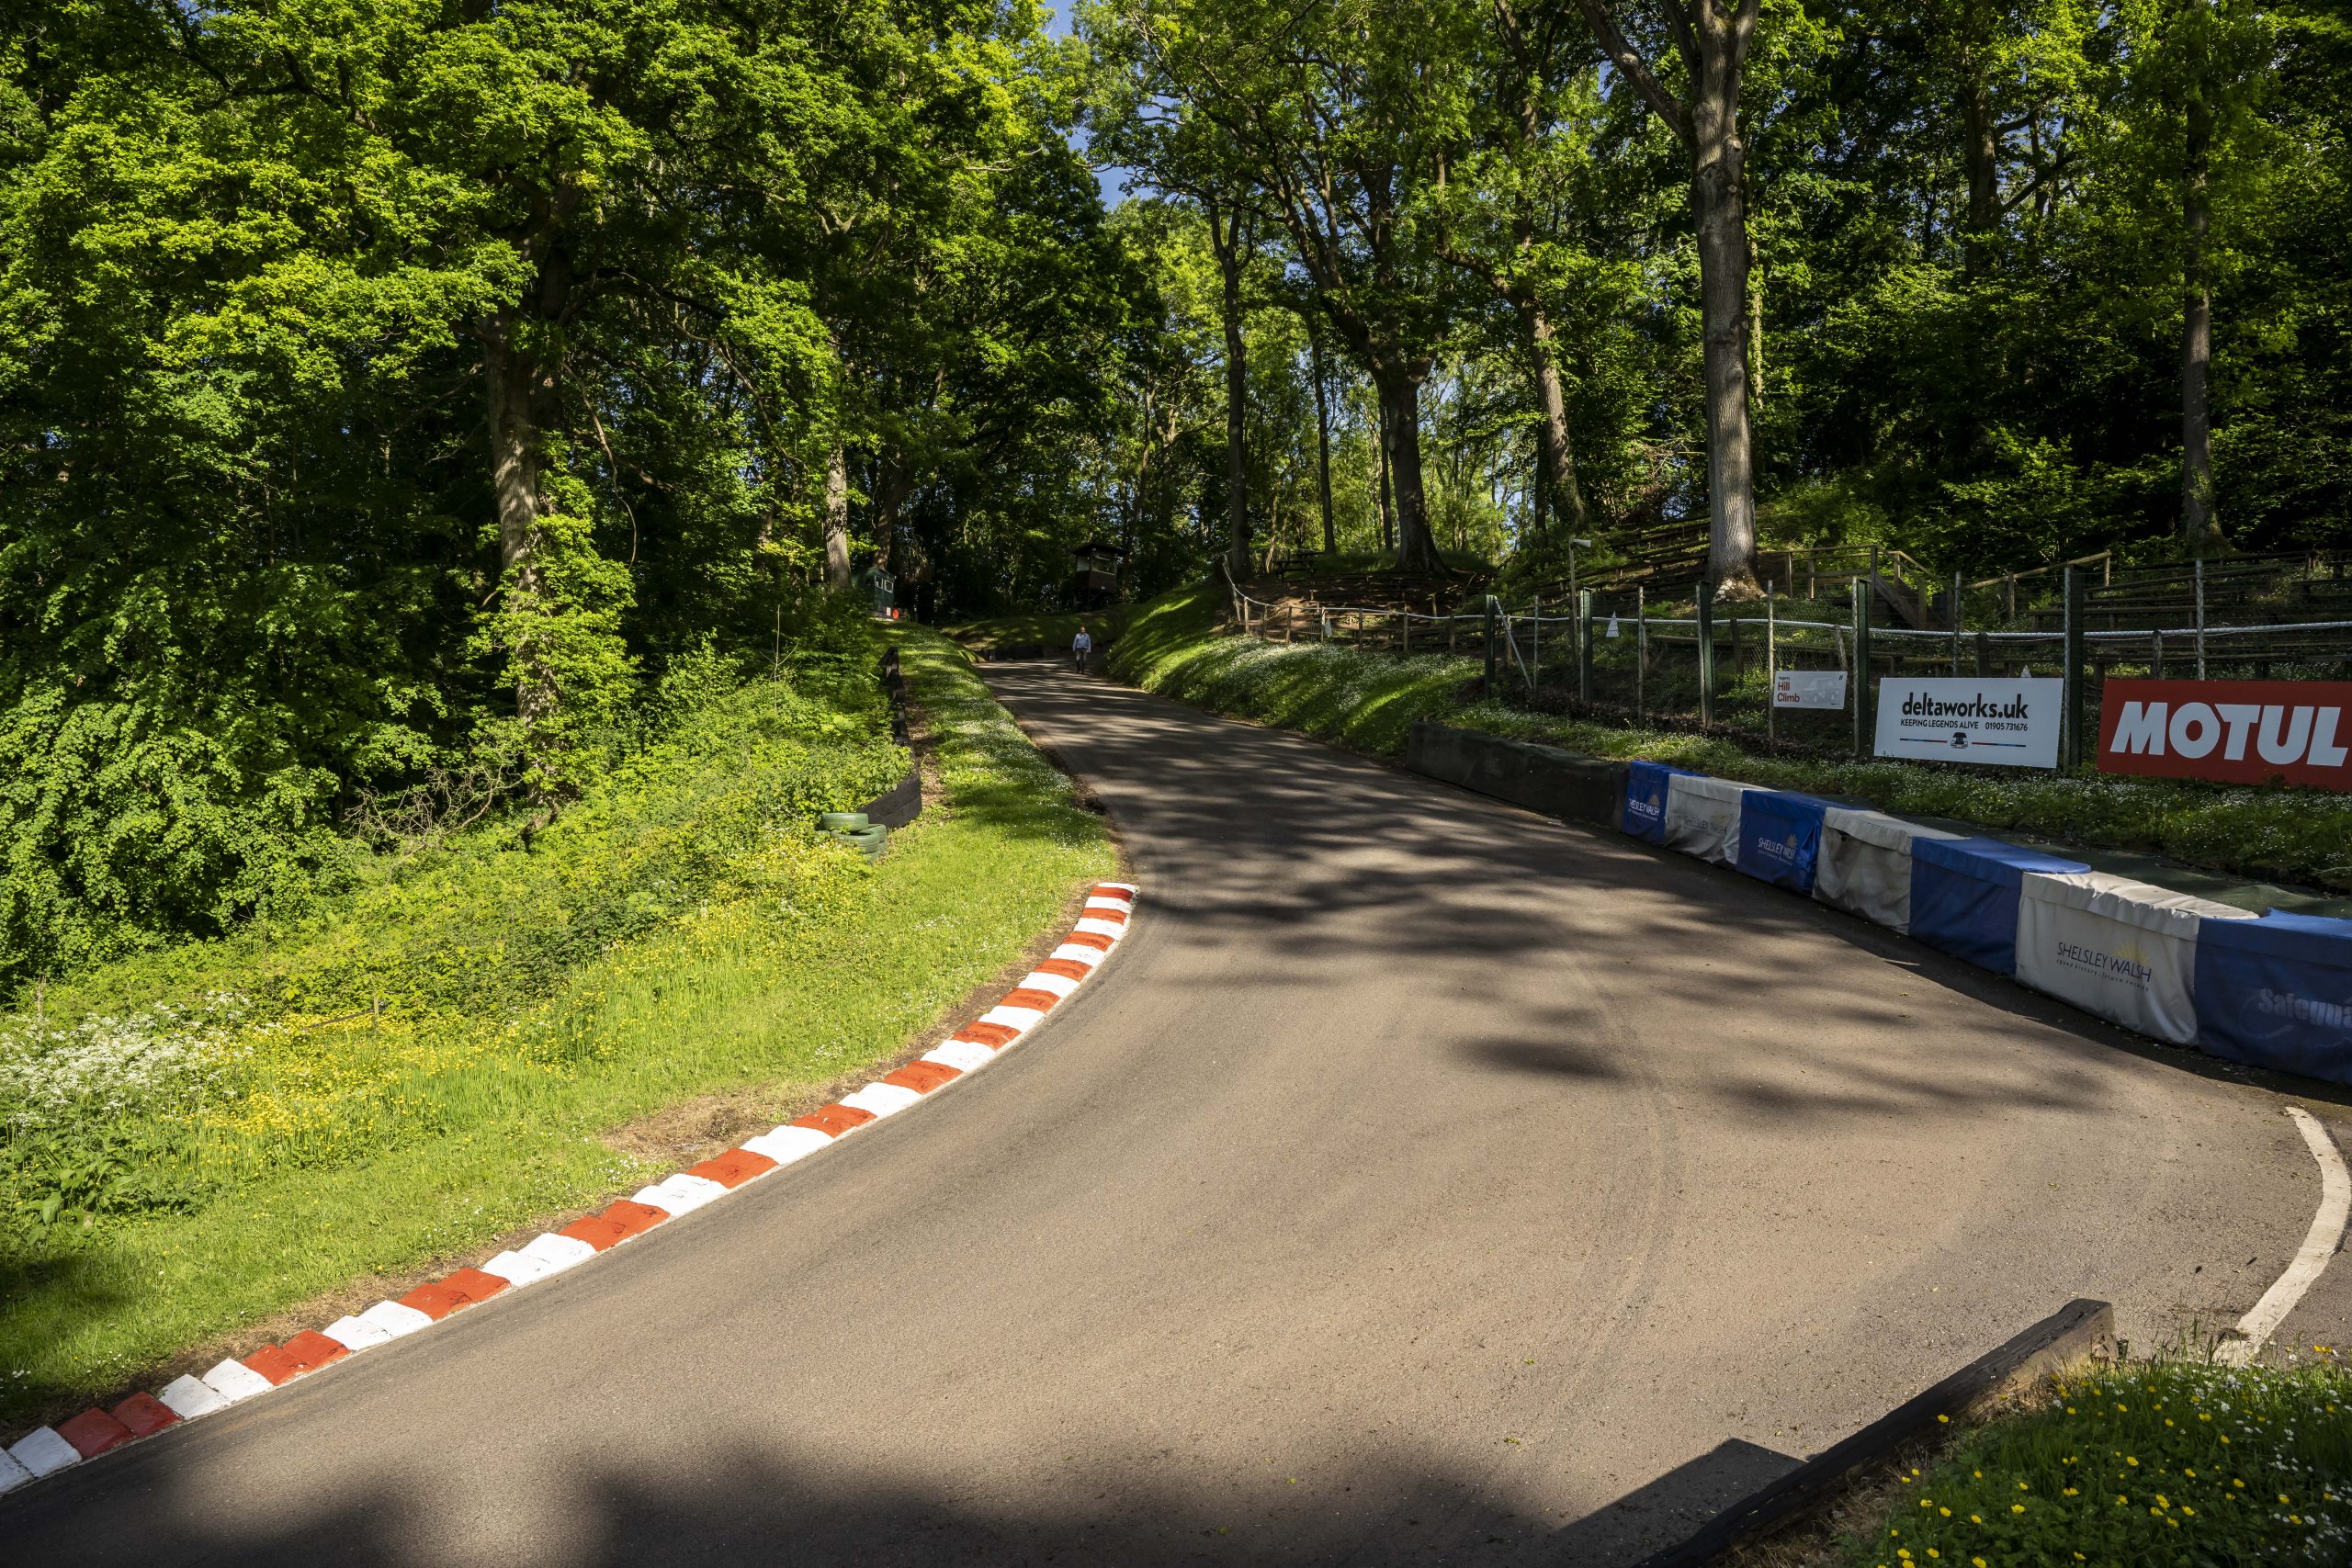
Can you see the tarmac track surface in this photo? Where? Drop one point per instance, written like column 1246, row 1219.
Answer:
column 1423, row 1181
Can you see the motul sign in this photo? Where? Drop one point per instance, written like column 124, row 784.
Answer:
column 2229, row 731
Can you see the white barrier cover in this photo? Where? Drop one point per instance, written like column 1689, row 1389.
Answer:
column 680, row 1194
column 396, row 1320
column 233, row 1380
column 1865, row 866
column 43, row 1452
column 12, row 1474
column 2124, row 949
column 1703, row 817
column 356, row 1333
column 882, row 1098
column 189, row 1398
column 516, row 1269
column 963, row 1055
column 554, row 1253
column 786, row 1144
column 1078, row 953
column 1038, row 980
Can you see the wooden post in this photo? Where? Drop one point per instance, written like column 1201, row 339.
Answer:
column 1955, row 623
column 2070, row 744
column 2200, row 617
column 1491, row 606
column 2157, row 659
column 1862, row 681
column 1706, row 652
column 1641, row 655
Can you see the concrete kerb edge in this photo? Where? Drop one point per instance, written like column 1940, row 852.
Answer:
column 2079, row 1331
column 1105, row 918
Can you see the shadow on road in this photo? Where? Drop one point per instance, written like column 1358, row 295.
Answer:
column 719, row 1509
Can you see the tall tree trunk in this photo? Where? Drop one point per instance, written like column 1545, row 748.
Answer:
column 518, row 393
column 1722, row 214
column 2200, row 530
column 1387, row 499
column 837, row 576
column 1323, row 441
column 1713, row 37
column 1400, row 427
column 1236, row 430
column 1558, row 458
column 1980, row 151
column 891, row 484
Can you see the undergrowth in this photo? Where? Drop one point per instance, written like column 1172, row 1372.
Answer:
column 192, row 1139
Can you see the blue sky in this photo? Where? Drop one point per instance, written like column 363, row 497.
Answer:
column 1111, row 182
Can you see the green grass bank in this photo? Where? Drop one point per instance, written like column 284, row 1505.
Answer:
column 2161, row 1464
column 1177, row 646
column 199, row 1138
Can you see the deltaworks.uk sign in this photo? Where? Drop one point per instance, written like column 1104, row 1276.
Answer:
column 2228, row 731
column 2013, row 723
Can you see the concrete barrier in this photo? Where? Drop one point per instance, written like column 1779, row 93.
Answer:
column 1865, row 867
column 2122, row 950
column 1703, row 817
column 1541, row 778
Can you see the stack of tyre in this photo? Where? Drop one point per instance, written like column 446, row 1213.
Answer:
column 852, row 828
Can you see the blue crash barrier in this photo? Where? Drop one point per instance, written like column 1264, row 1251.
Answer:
column 1643, row 811
column 1779, row 836
column 1964, row 896
column 2277, row 992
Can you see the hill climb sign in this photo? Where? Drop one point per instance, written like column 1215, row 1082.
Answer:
column 2008, row 723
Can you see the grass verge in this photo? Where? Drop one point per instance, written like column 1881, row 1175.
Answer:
column 2151, row 1464
column 1177, row 645
column 742, row 956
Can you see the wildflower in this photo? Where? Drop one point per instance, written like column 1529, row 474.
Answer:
column 2016, row 1507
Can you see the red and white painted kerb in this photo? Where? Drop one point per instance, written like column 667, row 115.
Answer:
column 1101, row 924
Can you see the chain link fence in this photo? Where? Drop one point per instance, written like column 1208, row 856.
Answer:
column 1612, row 655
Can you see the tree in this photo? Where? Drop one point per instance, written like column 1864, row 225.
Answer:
column 1341, row 121
column 1711, row 38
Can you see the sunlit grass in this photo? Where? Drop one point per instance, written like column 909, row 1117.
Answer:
column 376, row 1144
column 2150, row 1465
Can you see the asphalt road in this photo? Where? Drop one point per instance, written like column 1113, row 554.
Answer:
column 1422, row 1181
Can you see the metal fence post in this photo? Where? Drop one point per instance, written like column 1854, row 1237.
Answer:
column 2071, row 714
column 1772, row 669
column 1584, row 645
column 1706, row 651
